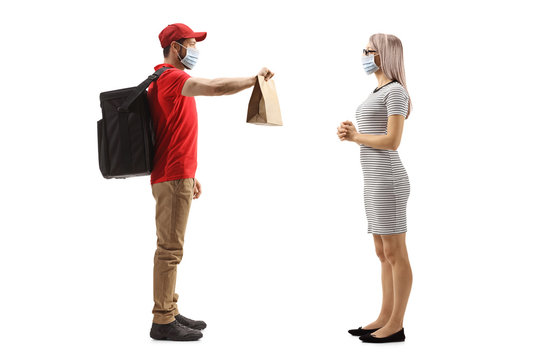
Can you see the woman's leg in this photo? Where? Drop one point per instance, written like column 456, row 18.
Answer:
column 395, row 252
column 387, row 286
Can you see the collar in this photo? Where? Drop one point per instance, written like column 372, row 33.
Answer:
column 157, row 67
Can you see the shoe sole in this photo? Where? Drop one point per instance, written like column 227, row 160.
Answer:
column 382, row 342
column 379, row 342
column 191, row 337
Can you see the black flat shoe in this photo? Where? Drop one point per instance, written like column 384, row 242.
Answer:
column 360, row 331
column 398, row 336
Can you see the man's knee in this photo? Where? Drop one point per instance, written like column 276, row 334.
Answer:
column 171, row 256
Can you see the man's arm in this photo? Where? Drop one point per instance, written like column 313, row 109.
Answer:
column 221, row 86
column 216, row 87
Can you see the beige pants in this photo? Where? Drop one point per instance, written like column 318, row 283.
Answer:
column 173, row 201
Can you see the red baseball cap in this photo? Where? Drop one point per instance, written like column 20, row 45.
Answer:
column 178, row 31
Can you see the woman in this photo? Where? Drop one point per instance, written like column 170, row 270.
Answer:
column 380, row 119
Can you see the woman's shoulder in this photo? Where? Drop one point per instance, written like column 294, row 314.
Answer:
column 395, row 87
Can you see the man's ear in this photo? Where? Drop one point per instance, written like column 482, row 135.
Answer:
column 179, row 50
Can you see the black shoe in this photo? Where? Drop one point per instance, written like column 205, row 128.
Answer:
column 398, row 336
column 174, row 331
column 194, row 324
column 360, row 331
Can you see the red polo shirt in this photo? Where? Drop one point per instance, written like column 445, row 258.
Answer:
column 175, row 125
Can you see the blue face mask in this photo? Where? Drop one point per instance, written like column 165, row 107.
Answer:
column 192, row 55
column 369, row 64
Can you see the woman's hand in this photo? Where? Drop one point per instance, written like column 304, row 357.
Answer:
column 347, row 131
column 197, row 190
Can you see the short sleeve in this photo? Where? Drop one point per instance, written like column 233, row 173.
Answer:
column 179, row 81
column 174, row 81
column 397, row 101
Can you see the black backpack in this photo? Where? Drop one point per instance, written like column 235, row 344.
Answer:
column 126, row 136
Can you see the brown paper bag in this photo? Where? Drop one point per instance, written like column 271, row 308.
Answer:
column 263, row 106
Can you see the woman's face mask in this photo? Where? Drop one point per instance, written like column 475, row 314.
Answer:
column 369, row 64
column 192, row 55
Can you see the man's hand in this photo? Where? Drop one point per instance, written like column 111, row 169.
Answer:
column 347, row 131
column 266, row 73
column 197, row 189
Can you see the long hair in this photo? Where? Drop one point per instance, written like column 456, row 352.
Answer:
column 391, row 56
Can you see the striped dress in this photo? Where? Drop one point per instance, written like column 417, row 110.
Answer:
column 386, row 183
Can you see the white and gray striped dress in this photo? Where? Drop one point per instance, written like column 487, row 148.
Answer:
column 386, row 183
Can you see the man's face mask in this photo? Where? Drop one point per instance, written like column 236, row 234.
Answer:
column 192, row 55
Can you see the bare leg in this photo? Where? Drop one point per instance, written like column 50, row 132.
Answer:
column 387, row 286
column 396, row 254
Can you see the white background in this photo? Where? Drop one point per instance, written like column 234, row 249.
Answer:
column 277, row 257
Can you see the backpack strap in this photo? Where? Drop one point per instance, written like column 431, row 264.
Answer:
column 140, row 89
column 126, row 159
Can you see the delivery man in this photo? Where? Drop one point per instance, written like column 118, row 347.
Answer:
column 174, row 114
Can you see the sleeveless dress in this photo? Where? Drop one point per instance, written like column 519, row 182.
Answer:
column 386, row 182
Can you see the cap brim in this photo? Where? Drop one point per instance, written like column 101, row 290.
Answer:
column 199, row 36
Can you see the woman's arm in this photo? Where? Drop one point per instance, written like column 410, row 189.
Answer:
column 390, row 141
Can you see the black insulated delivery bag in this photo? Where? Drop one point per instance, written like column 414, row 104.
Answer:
column 126, row 136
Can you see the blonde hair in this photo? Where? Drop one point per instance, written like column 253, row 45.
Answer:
column 391, row 57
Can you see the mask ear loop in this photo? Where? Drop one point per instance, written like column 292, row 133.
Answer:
column 180, row 52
